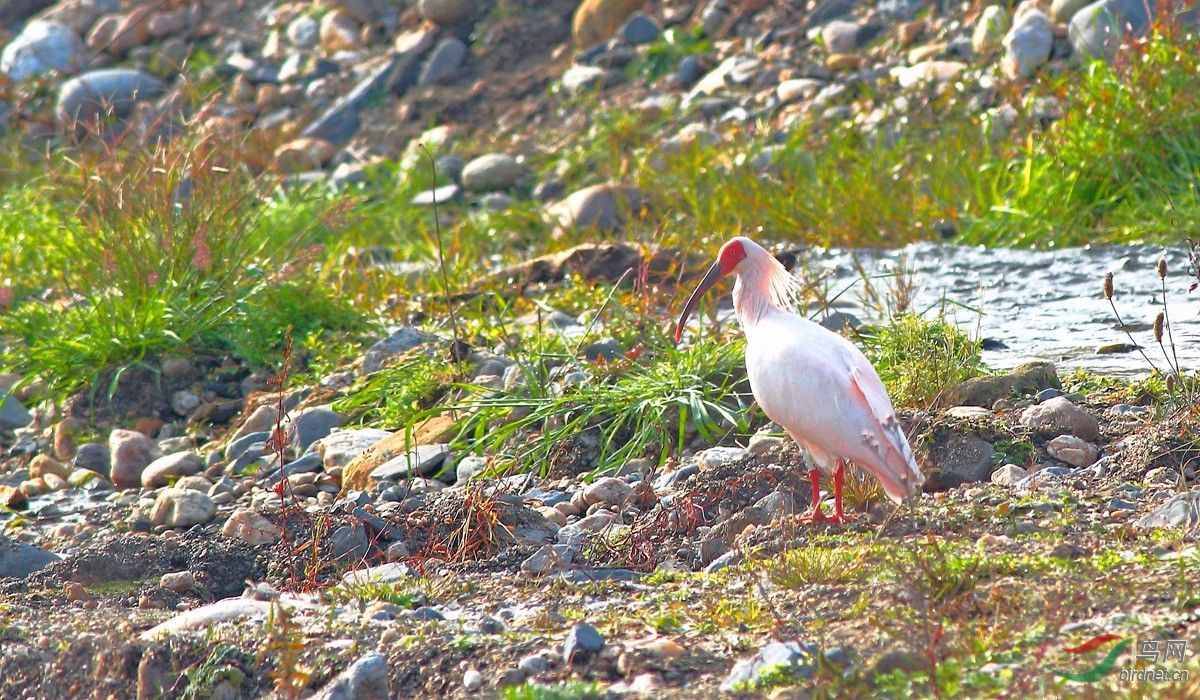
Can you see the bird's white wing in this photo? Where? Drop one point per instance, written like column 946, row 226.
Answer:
column 867, row 383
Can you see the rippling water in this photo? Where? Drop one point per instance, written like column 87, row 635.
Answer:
column 1041, row 304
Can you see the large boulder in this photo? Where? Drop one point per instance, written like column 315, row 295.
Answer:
column 1098, row 29
column 100, row 93
column 42, row 47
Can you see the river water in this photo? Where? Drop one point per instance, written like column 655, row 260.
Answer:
column 1041, row 304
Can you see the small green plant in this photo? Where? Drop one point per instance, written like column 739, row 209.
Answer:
column 918, row 359
column 567, row 690
column 223, row 664
column 645, row 409
column 817, row 564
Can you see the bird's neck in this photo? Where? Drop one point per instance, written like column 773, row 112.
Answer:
column 763, row 286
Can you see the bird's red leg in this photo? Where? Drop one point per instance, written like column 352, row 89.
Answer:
column 839, row 516
column 815, row 515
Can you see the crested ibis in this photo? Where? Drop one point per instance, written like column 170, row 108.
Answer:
column 811, row 381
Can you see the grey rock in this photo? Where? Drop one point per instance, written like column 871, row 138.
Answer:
column 384, row 574
column 712, row 21
column 1180, row 512
column 846, row 37
column 182, row 508
column 491, row 172
column 350, row 542
column 115, row 91
column 473, row 680
column 92, row 456
column 899, row 660
column 496, row 201
column 238, row 448
column 827, row 10
column 1060, row 414
column 340, row 121
column 303, row 32
column 608, row 490
column 1027, row 45
column 469, row 466
column 1061, row 11
column 440, row 195
column 366, row 679
column 340, row 447
column 445, row 60
column 450, row 166
column 900, row 10
column 422, row 459
column 308, row 425
column 583, row 639
column 1047, row 394
column 777, row 504
column 731, row 558
column 603, row 207
column 1072, row 450
column 640, row 29
column 962, row 459
column 720, row 537
column 795, row 658
column 1098, row 29
column 983, row 391
column 401, row 340
column 579, row 80
column 544, row 560
column 609, row 349
column 41, row 47
column 12, row 413
column 533, row 665
column 990, row 30
column 717, row 457
column 160, row 471
column 18, row 559
column 689, row 71
column 1008, row 475
column 130, row 453
column 445, row 12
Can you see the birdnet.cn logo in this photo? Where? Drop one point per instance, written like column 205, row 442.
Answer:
column 1149, row 650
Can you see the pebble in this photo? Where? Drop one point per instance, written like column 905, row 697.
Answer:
column 1060, row 414
column 473, row 680
column 607, row 490
column 179, row 581
column 582, row 639
column 443, row 62
column 640, row 29
column 990, row 30
column 717, row 457
column 491, row 172
column 1072, row 450
column 1027, row 45
column 794, row 658
column 162, row 470
column 108, row 91
column 130, row 453
column 400, row 341
column 41, row 47
column 182, row 508
column 1008, row 475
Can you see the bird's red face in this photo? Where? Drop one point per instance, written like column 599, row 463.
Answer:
column 730, row 256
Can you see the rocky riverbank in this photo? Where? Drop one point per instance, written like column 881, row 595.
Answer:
column 271, row 429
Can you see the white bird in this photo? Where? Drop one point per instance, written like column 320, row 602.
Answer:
column 813, row 382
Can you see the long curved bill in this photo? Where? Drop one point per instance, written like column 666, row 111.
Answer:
column 710, row 278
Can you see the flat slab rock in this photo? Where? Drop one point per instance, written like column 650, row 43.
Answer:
column 1181, row 512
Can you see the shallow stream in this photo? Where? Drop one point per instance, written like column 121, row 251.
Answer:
column 1041, row 304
